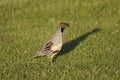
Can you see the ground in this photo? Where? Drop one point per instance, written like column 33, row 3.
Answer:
column 91, row 49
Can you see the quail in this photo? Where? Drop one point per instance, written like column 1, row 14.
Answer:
column 53, row 46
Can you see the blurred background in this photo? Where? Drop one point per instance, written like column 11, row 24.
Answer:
column 91, row 43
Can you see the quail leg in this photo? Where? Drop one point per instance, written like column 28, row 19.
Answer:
column 51, row 57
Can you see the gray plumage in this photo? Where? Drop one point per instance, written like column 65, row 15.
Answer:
column 53, row 45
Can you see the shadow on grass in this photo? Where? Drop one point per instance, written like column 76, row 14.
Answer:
column 69, row 46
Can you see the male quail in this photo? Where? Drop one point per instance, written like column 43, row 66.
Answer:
column 53, row 45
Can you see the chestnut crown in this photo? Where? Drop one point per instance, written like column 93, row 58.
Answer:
column 63, row 25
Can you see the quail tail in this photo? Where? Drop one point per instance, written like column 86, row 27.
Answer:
column 36, row 55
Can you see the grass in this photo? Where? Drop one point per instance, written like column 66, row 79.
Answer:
column 91, row 49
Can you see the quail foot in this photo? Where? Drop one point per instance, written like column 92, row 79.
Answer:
column 53, row 46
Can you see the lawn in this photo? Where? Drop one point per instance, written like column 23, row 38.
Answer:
column 91, row 49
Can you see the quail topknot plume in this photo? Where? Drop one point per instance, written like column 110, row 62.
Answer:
column 53, row 46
